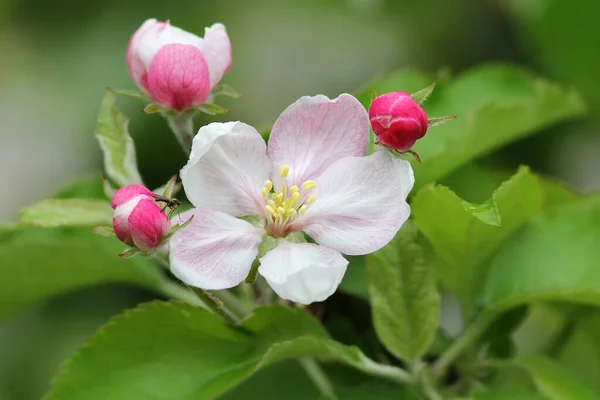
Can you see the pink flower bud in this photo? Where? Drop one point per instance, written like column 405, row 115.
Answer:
column 178, row 69
column 397, row 120
column 138, row 220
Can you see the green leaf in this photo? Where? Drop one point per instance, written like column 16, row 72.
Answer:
column 225, row 90
column 38, row 263
column 213, row 109
column 169, row 189
column 136, row 94
column 495, row 104
column 404, row 297
column 465, row 236
column 177, row 351
column 154, row 108
column 554, row 258
column 508, row 394
column 437, row 121
column 554, row 381
column 355, row 278
column 52, row 213
column 118, row 148
column 422, row 95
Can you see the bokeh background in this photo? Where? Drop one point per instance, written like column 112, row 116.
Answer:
column 57, row 57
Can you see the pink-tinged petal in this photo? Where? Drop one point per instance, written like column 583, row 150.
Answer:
column 147, row 41
column 216, row 48
column 315, row 132
column 121, row 216
column 227, row 169
column 148, row 225
column 127, row 193
column 178, row 77
column 215, row 251
column 360, row 204
column 303, row 272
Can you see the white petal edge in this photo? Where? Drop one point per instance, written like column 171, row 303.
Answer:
column 315, row 132
column 361, row 203
column 216, row 49
column 215, row 251
column 227, row 169
column 156, row 34
column 303, row 272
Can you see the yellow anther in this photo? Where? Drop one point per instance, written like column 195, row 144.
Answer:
column 302, row 209
column 279, row 198
column 284, row 170
column 295, row 197
column 294, row 189
column 280, row 211
column 283, row 189
column 271, row 210
column 272, row 204
column 309, row 185
column 311, row 199
column 290, row 213
column 268, row 185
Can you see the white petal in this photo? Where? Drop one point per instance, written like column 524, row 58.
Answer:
column 360, row 204
column 227, row 169
column 315, row 132
column 216, row 49
column 155, row 34
column 215, row 251
column 303, row 272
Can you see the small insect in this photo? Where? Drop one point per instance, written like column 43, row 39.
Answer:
column 171, row 204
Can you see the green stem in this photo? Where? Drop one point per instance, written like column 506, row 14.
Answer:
column 387, row 372
column 470, row 335
column 239, row 308
column 183, row 128
column 319, row 378
column 560, row 340
column 429, row 389
column 216, row 305
column 175, row 291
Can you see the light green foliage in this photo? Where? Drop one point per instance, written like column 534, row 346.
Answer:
column 51, row 213
column 554, row 381
column 177, row 351
column 466, row 235
column 213, row 109
column 404, row 296
column 508, row 394
column 554, row 258
column 38, row 263
column 495, row 104
column 117, row 146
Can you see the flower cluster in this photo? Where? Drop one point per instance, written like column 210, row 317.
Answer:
column 288, row 210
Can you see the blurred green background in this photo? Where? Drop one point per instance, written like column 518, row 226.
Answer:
column 59, row 55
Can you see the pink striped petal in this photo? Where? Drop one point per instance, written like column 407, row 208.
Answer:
column 178, row 77
column 315, row 132
column 227, row 169
column 361, row 203
column 148, row 225
column 215, row 251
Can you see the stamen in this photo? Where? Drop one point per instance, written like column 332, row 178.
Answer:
column 309, row 185
column 291, row 213
column 311, row 199
column 302, row 209
column 272, row 204
column 280, row 211
column 295, row 197
column 284, row 170
column 270, row 210
column 294, row 189
column 268, row 185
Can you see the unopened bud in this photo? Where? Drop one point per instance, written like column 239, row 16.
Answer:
column 397, row 120
column 138, row 220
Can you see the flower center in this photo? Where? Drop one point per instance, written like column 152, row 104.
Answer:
column 282, row 207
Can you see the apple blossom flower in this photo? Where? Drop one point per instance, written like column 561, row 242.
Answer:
column 313, row 177
column 138, row 220
column 397, row 120
column 178, row 69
